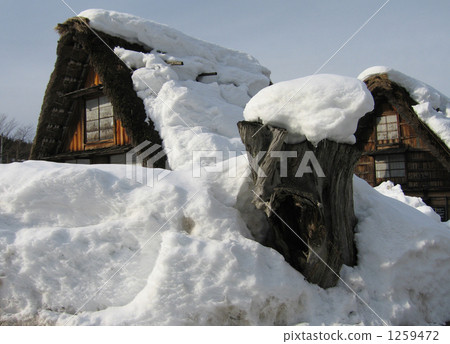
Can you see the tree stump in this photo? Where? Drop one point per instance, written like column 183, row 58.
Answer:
column 311, row 217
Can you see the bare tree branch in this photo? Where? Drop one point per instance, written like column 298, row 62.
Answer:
column 7, row 126
column 15, row 139
column 24, row 133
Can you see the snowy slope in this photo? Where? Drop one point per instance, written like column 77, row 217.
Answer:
column 66, row 230
column 189, row 115
column 395, row 191
column 433, row 107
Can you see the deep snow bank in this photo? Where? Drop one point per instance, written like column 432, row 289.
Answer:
column 66, row 231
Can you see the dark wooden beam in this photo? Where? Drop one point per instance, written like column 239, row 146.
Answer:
column 84, row 91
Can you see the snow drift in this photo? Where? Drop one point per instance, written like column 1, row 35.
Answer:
column 86, row 239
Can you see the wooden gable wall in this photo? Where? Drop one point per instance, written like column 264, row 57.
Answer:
column 423, row 170
column 424, row 175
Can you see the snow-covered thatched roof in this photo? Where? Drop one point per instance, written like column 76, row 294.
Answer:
column 432, row 108
column 420, row 105
column 167, row 87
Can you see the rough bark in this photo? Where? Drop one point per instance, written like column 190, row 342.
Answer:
column 311, row 217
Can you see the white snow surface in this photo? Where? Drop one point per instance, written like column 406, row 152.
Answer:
column 189, row 115
column 317, row 107
column 433, row 107
column 395, row 191
column 85, row 239
column 84, row 245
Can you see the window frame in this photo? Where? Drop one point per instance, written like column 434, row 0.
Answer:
column 391, row 163
column 110, row 138
column 389, row 131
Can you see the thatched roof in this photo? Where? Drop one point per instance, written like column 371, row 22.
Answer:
column 385, row 90
column 78, row 49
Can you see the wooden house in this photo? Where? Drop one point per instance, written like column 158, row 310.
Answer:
column 90, row 113
column 403, row 149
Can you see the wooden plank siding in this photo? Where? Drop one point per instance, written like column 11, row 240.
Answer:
column 422, row 170
column 121, row 138
column 365, row 169
column 78, row 140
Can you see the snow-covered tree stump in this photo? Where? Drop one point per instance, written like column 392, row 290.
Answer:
column 306, row 192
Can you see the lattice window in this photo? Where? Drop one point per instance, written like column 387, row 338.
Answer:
column 99, row 120
column 387, row 127
column 388, row 166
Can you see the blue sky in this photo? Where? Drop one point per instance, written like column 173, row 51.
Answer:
column 293, row 38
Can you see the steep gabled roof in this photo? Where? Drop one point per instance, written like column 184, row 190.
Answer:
column 384, row 89
column 79, row 48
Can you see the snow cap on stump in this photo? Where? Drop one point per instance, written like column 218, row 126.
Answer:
column 313, row 108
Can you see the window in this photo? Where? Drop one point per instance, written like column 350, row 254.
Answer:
column 387, row 128
column 388, row 166
column 99, row 120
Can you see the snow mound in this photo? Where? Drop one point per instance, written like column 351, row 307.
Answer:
column 180, row 253
column 433, row 107
column 314, row 108
column 193, row 105
column 401, row 253
column 389, row 189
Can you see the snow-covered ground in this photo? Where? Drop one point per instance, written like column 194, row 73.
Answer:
column 86, row 245
column 86, row 238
